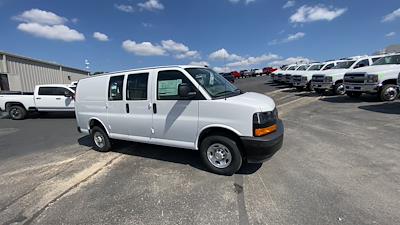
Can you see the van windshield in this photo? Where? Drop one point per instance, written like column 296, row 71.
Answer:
column 344, row 65
column 216, row 85
column 393, row 59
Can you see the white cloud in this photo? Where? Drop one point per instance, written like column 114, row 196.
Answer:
column 249, row 1
column 199, row 63
column 222, row 55
column 234, row 1
column 254, row 60
column 289, row 4
column 294, row 37
column 143, row 49
column 75, row 20
column 54, row 32
column 391, row 34
column 221, row 69
column 125, row 8
column 147, row 25
column 40, row 17
column 290, row 60
column 100, row 36
column 180, row 50
column 392, row 16
column 289, row 38
column 47, row 25
column 173, row 46
column 151, row 5
column 188, row 54
column 315, row 13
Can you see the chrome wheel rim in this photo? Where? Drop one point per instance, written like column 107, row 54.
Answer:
column 15, row 113
column 340, row 89
column 390, row 93
column 99, row 139
column 219, row 155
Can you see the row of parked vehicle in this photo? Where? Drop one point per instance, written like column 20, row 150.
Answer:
column 377, row 74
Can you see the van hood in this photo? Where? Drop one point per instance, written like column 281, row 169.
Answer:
column 260, row 102
column 377, row 69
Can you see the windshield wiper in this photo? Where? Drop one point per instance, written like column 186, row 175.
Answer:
column 226, row 91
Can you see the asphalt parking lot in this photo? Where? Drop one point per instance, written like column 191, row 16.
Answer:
column 339, row 165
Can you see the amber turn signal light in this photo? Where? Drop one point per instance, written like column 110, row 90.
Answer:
column 264, row 131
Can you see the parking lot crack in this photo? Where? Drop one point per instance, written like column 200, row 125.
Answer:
column 239, row 189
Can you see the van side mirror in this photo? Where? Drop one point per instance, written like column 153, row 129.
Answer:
column 68, row 94
column 184, row 91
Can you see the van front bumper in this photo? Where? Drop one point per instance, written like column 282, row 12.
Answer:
column 259, row 149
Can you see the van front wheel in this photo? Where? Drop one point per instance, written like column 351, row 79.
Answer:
column 221, row 155
column 100, row 139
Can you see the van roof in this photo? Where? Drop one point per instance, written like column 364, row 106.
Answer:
column 155, row 67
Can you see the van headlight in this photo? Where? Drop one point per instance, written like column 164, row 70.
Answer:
column 372, row 78
column 265, row 123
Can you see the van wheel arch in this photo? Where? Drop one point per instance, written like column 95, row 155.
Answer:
column 222, row 132
column 97, row 123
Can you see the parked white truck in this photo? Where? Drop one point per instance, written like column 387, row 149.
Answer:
column 45, row 98
column 332, row 80
column 380, row 78
column 303, row 80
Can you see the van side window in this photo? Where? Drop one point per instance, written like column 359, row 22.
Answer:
column 375, row 59
column 168, row 82
column 329, row 66
column 136, row 86
column 115, row 88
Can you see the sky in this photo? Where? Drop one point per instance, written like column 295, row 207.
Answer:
column 224, row 34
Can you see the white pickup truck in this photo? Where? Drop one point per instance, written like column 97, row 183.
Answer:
column 45, row 98
column 380, row 78
column 303, row 80
column 332, row 80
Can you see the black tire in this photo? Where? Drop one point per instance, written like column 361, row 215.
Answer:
column 310, row 87
column 338, row 89
column 221, row 142
column 319, row 91
column 389, row 92
column 352, row 94
column 17, row 112
column 299, row 88
column 103, row 145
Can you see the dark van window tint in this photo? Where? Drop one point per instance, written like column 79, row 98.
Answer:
column 136, row 88
column 115, row 88
column 52, row 91
column 168, row 82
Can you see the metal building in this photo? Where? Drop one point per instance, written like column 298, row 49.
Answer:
column 19, row 73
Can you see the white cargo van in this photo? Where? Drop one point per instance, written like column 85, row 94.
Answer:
column 180, row 106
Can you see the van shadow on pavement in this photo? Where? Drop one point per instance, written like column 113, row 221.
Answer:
column 387, row 107
column 162, row 153
column 51, row 115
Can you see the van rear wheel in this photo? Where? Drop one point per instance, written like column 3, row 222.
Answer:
column 100, row 139
column 221, row 155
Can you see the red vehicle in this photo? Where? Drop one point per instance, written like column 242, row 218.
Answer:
column 235, row 74
column 269, row 70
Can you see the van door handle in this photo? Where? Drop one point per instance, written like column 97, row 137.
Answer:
column 58, row 98
column 154, row 108
column 127, row 108
column 38, row 98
